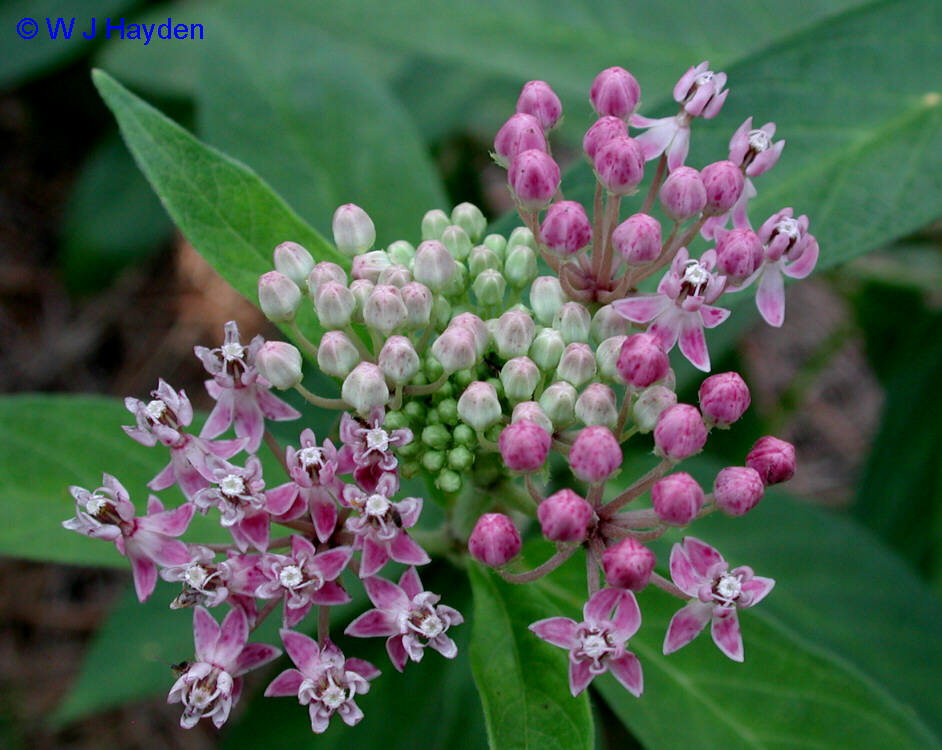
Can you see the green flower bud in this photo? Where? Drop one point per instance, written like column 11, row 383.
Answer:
column 458, row 283
column 361, row 290
column 457, row 242
column 433, row 461
column 470, row 219
column 395, row 420
column 520, row 267
column 573, row 321
column 448, row 481
column 521, row 236
column 607, row 323
column 434, row 223
column 416, row 411
column 489, row 287
column 547, row 348
column 409, row 469
column 546, row 297
column 448, row 410
column 411, row 449
column 432, row 367
column 479, row 406
column 433, row 418
column 606, row 356
column 401, row 253
column 464, row 435
column 497, row 386
column 436, row 436
column 463, row 378
column 596, row 406
column 492, row 433
column 441, row 312
column 460, row 458
column 519, row 377
column 558, row 402
column 336, row 354
column 498, row 244
column 481, row 258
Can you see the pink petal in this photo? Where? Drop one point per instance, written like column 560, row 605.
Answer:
column 397, row 652
column 641, row 309
column 330, row 594
column 362, row 668
column 374, row 557
column 165, row 478
column 293, row 615
column 701, row 555
column 411, row 583
column 279, row 499
column 145, row 576
column 677, row 151
column 386, row 594
column 225, row 448
column 332, row 562
column 682, row 572
column 405, row 550
column 444, row 645
column 667, row 327
column 248, row 419
column 190, row 479
column 304, row 651
column 324, row 514
column 409, row 509
column 627, row 617
column 657, row 138
column 713, row 316
column 770, row 296
column 375, row 622
column 255, row 529
column 287, row 683
column 254, row 655
column 686, row 625
column 693, row 342
column 233, row 634
column 205, row 633
column 579, row 676
column 273, row 407
column 162, row 550
column 350, row 712
column 169, row 522
column 725, row 632
column 600, row 605
column 757, row 588
column 560, row 631
column 806, row 261
column 220, row 417
column 627, row 670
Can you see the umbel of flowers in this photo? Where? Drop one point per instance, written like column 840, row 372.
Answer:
column 469, row 358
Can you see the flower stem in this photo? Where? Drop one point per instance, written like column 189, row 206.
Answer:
column 636, row 490
column 302, row 339
column 276, row 449
column 323, row 624
column 670, row 588
column 549, row 566
column 428, row 388
column 658, row 176
column 324, row 403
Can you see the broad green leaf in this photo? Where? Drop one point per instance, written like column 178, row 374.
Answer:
column 521, row 679
column 316, row 124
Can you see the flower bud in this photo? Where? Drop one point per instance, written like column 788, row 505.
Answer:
column 323, row 272
column 679, row 433
column 398, row 360
column 607, row 323
column 457, row 241
column 677, row 499
column 401, row 253
column 565, row 517
column 737, row 490
column 531, row 411
column 514, row 333
column 524, row 446
column 334, row 304
column 279, row 363
column 566, row 228
column 615, row 92
column 546, row 297
column 336, row 354
column 497, row 243
column 519, row 377
column 724, row 398
column 470, row 219
column 278, row 296
column 724, row 184
column 482, row 258
column 418, row 301
column 436, row 436
column 606, row 356
column 638, row 239
column 365, row 388
column 534, row 179
column 699, row 91
column 361, row 289
column 520, row 267
column 479, row 406
column 774, row 459
column 547, row 348
column 738, row 253
column 558, row 402
column 370, row 265
column 489, row 287
column 394, row 275
column 454, row 349
column 433, row 266
column 595, row 454
column 641, row 361
column 650, row 404
column 495, row 540
column 619, row 166
column 602, row 131
column 539, row 100
column 354, row 232
column 460, row 459
column 294, row 261
column 520, row 236
column 683, row 195
column 577, row 365
column 573, row 321
column 522, row 132
column 596, row 405
column 477, row 327
column 628, row 564
column 752, row 149
column 384, row 310
column 434, row 224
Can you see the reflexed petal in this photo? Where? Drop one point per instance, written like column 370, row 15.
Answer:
column 205, row 633
column 324, row 514
column 304, row 652
column 725, row 632
column 770, row 296
column 164, row 479
column 410, row 583
column 233, row 634
column 255, row 529
column 641, row 309
column 405, row 550
column 627, row 617
column 397, row 652
column 363, row 668
column 701, row 555
column 329, row 594
column 409, row 509
column 693, row 342
column 677, row 151
column 757, row 588
column 444, row 645
column 600, row 605
column 320, row 719
column 713, row 316
column 386, row 594
column 657, row 138
column 248, row 419
column 293, row 615
column 145, row 576
column 351, row 713
column 683, row 573
column 169, row 522
column 287, row 683
column 273, row 407
column 254, row 655
column 686, row 625
column 560, row 631
column 278, row 499
column 806, row 261
column 221, row 416
column 627, row 670
column 579, row 676
column 332, row 562
column 375, row 622
column 667, row 327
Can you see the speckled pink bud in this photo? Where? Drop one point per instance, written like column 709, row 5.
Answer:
column 495, row 540
column 615, row 92
column 642, row 361
column 724, row 183
column 524, row 446
column 738, row 253
column 683, row 195
column 737, row 490
column 566, row 229
column 628, row 565
column 638, row 239
column 602, row 131
column 679, row 433
column 595, row 454
column 724, row 398
column 534, row 177
column 677, row 499
column 774, row 459
column 565, row 517
column 539, row 100
column 520, row 133
column 454, row 349
column 619, row 166
column 530, row 411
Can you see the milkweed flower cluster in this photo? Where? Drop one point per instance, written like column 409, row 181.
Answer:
column 469, row 358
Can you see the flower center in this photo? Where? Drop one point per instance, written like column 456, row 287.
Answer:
column 232, row 485
column 333, row 696
column 96, row 504
column 196, row 576
column 595, row 645
column 311, row 457
column 232, row 351
column 704, row 78
column 758, row 140
column 728, row 589
column 156, row 409
column 789, row 227
column 696, row 275
column 377, row 439
column 431, row 626
column 290, row 576
column 377, row 505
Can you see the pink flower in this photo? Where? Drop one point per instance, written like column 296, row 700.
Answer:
column 369, row 447
column 664, row 135
column 242, row 398
column 209, row 584
column 681, row 308
column 410, row 616
column 211, row 685
column 716, row 593
column 598, row 642
column 108, row 513
column 324, row 681
column 316, row 485
column 753, row 150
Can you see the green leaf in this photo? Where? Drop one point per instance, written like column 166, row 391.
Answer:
column 313, row 122
column 521, row 679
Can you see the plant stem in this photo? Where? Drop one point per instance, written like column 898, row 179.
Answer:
column 549, row 566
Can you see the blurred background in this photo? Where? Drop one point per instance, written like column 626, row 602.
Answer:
column 394, row 106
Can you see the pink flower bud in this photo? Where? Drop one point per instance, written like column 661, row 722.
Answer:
column 384, row 309
column 279, row 363
column 323, row 272
column 699, row 91
column 531, row 411
column 418, row 301
column 738, row 253
column 524, row 446
column 479, row 406
column 774, row 459
column 520, row 133
column 354, row 232
column 519, row 376
column 334, row 305
column 398, row 360
column 641, row 361
column 395, row 275
column 433, row 265
column 539, row 100
column 370, row 265
column 679, row 433
column 628, row 565
column 566, row 229
column 365, row 388
column 615, row 92
column 278, row 296
column 336, row 354
column 677, row 499
column 724, row 184
column 454, row 349
column 596, row 405
column 606, row 356
column 724, row 398
column 577, row 365
column 534, row 178
column 619, row 166
column 683, row 195
column 638, row 239
column 477, row 327
column 737, row 490
column 595, row 454
column 651, row 403
column 602, row 131
column 294, row 261
column 565, row 517
column 495, row 540
column 514, row 333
